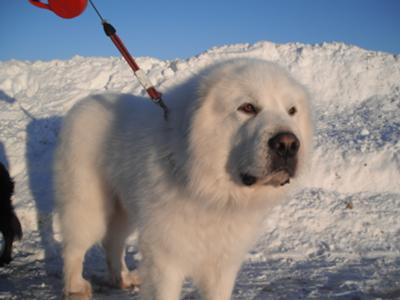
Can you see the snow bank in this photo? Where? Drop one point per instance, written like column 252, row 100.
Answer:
column 339, row 237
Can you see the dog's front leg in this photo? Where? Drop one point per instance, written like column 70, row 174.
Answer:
column 161, row 279
column 218, row 283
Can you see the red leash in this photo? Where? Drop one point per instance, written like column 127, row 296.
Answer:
column 65, row 9
column 154, row 95
column 73, row 8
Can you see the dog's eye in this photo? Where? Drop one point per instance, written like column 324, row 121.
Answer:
column 292, row 111
column 248, row 108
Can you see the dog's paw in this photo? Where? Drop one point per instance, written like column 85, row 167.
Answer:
column 81, row 291
column 78, row 296
column 130, row 280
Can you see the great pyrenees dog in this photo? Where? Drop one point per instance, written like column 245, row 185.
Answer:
column 196, row 187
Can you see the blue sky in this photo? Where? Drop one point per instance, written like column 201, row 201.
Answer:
column 183, row 28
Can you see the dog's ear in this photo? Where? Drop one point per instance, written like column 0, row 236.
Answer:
column 10, row 186
column 7, row 183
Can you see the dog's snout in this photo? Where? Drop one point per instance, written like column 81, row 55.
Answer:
column 284, row 144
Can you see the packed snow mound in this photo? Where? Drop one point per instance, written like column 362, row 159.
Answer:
column 337, row 238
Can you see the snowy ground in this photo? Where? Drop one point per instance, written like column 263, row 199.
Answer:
column 339, row 238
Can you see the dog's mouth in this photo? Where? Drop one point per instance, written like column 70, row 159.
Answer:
column 277, row 178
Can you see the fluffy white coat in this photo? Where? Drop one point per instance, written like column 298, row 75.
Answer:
column 121, row 167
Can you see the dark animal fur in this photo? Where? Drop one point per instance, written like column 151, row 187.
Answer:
column 10, row 226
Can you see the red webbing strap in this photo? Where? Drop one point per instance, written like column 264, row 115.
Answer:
column 125, row 53
column 141, row 76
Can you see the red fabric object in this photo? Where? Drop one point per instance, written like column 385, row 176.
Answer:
column 64, row 8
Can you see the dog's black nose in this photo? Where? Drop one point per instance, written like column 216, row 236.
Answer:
column 284, row 144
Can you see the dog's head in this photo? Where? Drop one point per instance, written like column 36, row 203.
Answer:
column 251, row 130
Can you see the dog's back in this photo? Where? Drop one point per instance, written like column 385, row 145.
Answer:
column 10, row 226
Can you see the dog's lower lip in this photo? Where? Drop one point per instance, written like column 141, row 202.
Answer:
column 286, row 182
column 278, row 178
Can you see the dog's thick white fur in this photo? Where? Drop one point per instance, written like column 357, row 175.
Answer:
column 181, row 183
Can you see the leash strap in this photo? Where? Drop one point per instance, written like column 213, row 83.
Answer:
column 144, row 81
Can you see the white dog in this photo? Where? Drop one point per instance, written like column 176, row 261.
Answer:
column 195, row 187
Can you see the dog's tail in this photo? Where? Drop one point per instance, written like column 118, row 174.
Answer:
column 16, row 227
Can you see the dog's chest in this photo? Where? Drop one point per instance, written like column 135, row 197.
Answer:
column 200, row 235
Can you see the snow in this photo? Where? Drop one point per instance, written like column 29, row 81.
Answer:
column 338, row 238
